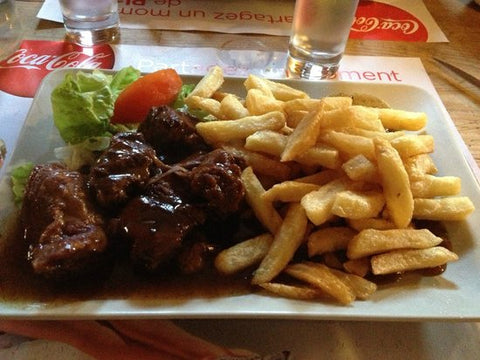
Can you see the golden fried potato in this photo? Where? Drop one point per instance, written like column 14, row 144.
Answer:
column 394, row 119
column 257, row 103
column 359, row 168
column 288, row 238
column 432, row 186
column 395, row 182
column 289, row 191
column 232, row 108
column 370, row 241
column 349, row 145
column 292, row 291
column 358, row 204
column 304, row 136
column 455, row 208
column 322, row 277
column 221, row 131
column 264, row 210
column 243, row 255
column 329, row 239
column 209, row 84
column 411, row 259
column 318, row 204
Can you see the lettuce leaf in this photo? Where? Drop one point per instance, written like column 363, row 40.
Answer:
column 83, row 103
column 19, row 177
column 180, row 104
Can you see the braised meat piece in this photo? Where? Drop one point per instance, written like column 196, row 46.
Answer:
column 175, row 204
column 217, row 181
column 123, row 169
column 194, row 256
column 157, row 222
column 64, row 232
column 172, row 134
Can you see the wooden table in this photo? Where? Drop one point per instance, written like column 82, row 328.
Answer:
column 458, row 19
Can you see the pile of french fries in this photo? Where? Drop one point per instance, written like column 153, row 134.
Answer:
column 334, row 177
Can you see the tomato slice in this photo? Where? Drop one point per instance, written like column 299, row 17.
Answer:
column 154, row 89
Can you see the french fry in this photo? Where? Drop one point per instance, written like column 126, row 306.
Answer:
column 388, row 135
column 259, row 83
column 321, row 178
column 329, row 239
column 370, row 223
column 266, row 141
column 359, row 168
column 408, row 260
column 360, row 267
column 395, row 182
column 359, row 117
column 265, row 165
column 332, row 260
column 289, row 191
column 209, row 84
column 419, row 165
column 361, row 287
column 264, row 210
column 221, row 131
column 455, row 208
column 432, row 186
column 304, row 136
column 358, row 205
column 350, row 145
column 337, row 102
column 322, row 277
column 232, row 108
column 294, row 118
column 284, row 92
column 292, row 291
column 304, row 105
column 394, row 119
column 209, row 105
column 370, row 241
column 288, row 238
column 411, row 145
column 257, row 103
column 320, row 155
column 318, row 204
column 243, row 255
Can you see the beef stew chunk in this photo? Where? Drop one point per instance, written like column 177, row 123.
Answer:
column 174, row 206
column 217, row 181
column 123, row 169
column 64, row 231
column 172, row 134
column 157, row 222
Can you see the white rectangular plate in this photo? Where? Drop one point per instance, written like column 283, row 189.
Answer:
column 452, row 296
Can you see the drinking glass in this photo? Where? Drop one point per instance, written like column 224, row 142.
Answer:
column 90, row 22
column 10, row 29
column 319, row 34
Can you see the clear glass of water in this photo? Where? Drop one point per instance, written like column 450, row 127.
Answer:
column 11, row 30
column 319, row 35
column 90, row 22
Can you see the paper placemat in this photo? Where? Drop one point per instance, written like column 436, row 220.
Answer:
column 336, row 340
column 398, row 20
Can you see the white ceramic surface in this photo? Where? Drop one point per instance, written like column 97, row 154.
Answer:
column 448, row 297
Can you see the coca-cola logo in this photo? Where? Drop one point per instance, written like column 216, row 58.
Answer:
column 379, row 21
column 22, row 72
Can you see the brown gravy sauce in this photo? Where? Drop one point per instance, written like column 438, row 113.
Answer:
column 18, row 283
